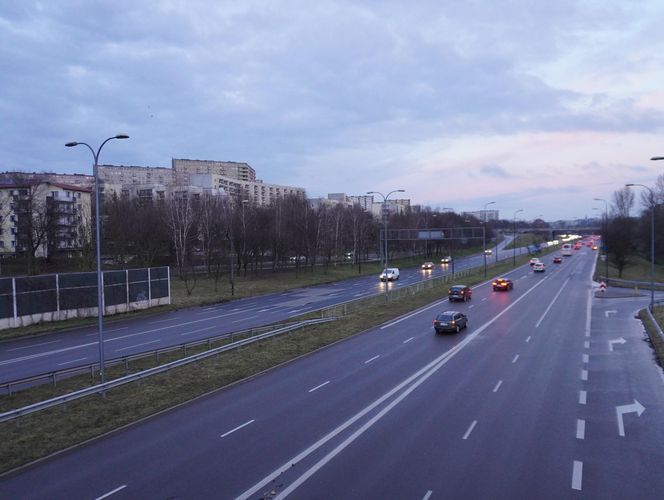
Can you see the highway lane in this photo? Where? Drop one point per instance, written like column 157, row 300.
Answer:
column 62, row 350
column 397, row 412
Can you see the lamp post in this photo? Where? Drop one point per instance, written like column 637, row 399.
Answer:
column 514, row 242
column 652, row 240
column 606, row 228
column 100, row 284
column 244, row 238
column 484, row 232
column 385, row 214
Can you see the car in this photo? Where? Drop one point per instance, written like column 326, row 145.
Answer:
column 502, row 284
column 450, row 321
column 446, row 260
column 594, row 247
column 488, row 251
column 539, row 267
column 460, row 292
column 299, row 258
column 427, row 266
column 534, row 261
column 557, row 259
column 390, row 274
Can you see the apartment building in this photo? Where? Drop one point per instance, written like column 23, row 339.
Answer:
column 184, row 169
column 54, row 218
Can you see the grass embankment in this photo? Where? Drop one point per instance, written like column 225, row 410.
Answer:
column 656, row 341
column 43, row 433
column 526, row 239
column 637, row 269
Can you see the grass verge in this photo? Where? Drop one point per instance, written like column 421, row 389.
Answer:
column 40, row 434
column 656, row 341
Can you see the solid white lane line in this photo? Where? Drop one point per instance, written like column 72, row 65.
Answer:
column 470, row 429
column 106, row 495
column 528, row 339
column 319, row 386
column 428, row 495
column 586, row 344
column 72, row 361
column 584, row 375
column 580, row 429
column 137, row 345
column 553, row 302
column 163, row 320
column 238, row 428
column 495, row 389
column 408, row 386
column 586, row 358
column 583, row 397
column 589, row 310
column 371, row 359
column 515, row 358
column 34, row 345
column 199, row 330
column 437, row 304
column 577, row 475
column 408, row 340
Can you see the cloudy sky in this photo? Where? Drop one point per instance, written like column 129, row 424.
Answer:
column 541, row 105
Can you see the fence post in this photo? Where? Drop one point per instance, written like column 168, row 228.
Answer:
column 14, row 300
column 149, row 288
column 57, row 294
column 127, row 282
column 168, row 274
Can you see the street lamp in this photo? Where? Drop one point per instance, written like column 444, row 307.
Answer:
column 606, row 228
column 514, row 242
column 484, row 233
column 385, row 214
column 244, row 238
column 652, row 240
column 100, row 284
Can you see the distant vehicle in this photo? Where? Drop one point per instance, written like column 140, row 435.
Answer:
column 488, row 251
column 446, row 260
column 502, row 284
column 577, row 246
column 390, row 274
column 428, row 266
column 539, row 267
column 557, row 259
column 566, row 250
column 534, row 261
column 460, row 292
column 594, row 247
column 348, row 256
column 300, row 258
column 450, row 321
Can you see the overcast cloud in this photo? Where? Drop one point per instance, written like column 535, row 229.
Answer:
column 537, row 105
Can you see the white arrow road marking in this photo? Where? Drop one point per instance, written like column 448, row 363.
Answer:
column 621, row 410
column 608, row 313
column 616, row 341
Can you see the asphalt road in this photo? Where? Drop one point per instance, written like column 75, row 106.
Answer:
column 28, row 357
column 536, row 399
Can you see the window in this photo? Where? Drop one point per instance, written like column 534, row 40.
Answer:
column 13, row 243
column 2, row 244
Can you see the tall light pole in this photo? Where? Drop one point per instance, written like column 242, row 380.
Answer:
column 484, row 232
column 514, row 242
column 652, row 241
column 244, row 238
column 606, row 228
column 100, row 284
column 385, row 215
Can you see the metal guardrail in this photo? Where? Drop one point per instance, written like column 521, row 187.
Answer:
column 658, row 329
column 92, row 367
column 630, row 283
column 101, row 388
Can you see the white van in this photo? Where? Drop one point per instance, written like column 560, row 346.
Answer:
column 566, row 250
column 390, row 274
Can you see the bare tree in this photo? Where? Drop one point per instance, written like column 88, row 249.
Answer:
column 623, row 201
column 180, row 219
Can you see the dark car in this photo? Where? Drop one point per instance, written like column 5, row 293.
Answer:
column 450, row 321
column 460, row 292
column 502, row 284
column 557, row 259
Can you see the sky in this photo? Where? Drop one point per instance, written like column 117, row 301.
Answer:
column 535, row 104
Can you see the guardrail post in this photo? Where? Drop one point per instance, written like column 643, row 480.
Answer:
column 127, row 287
column 149, row 288
column 57, row 295
column 53, row 377
column 14, row 302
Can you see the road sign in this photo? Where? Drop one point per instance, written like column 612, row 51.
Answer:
column 602, row 287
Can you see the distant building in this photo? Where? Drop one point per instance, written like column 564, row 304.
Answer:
column 484, row 215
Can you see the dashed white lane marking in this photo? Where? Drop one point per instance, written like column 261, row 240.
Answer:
column 583, row 397
column 515, row 358
column 371, row 359
column 106, row 495
column 528, row 339
column 408, row 340
column 319, row 386
column 577, row 475
column 247, row 318
column 485, row 298
column 137, row 345
column 35, row 345
column 584, row 375
column 199, row 330
column 495, row 389
column 72, row 361
column 238, row 428
column 470, row 429
column 428, row 495
column 96, row 334
column 586, row 358
column 164, row 320
column 586, row 344
column 471, row 306
column 580, row 428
